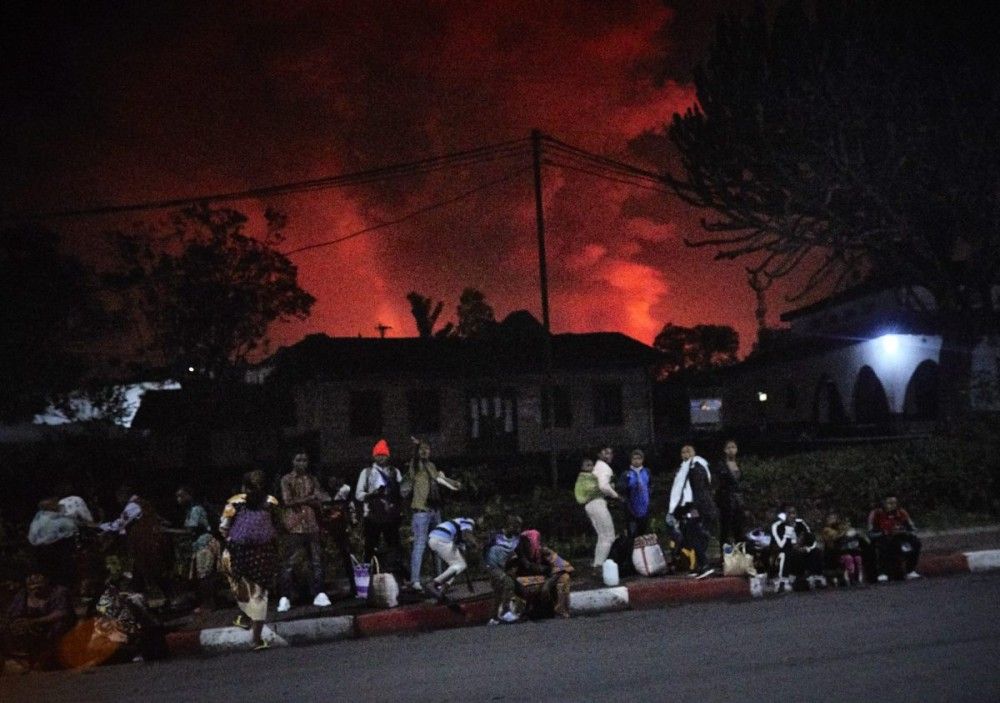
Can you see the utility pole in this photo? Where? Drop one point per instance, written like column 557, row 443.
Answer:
column 548, row 389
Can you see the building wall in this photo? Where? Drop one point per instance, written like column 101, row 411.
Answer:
column 893, row 358
column 324, row 408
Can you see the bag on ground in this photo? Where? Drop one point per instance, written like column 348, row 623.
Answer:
column 362, row 577
column 647, row 556
column 384, row 589
column 736, row 561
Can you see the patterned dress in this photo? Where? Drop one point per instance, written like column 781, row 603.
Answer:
column 250, row 561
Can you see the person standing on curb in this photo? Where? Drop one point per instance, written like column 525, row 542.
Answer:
column 691, row 504
column 379, row 489
column 729, row 496
column 426, row 483
column 597, row 508
column 337, row 516
column 302, row 495
column 634, row 484
column 249, row 526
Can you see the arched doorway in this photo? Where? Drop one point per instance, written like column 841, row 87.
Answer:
column 871, row 407
column 828, row 408
column 922, row 392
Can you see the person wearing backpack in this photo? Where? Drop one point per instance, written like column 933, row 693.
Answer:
column 449, row 540
column 380, row 491
column 634, row 486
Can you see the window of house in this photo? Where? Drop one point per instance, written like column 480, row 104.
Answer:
column 424, row 409
column 560, row 403
column 366, row 413
column 607, row 404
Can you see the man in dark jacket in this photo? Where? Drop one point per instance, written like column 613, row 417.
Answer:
column 691, row 505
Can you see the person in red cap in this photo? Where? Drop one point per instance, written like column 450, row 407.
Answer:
column 379, row 490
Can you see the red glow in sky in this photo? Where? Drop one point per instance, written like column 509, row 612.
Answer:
column 161, row 104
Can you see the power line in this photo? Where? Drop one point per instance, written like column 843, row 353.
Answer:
column 604, row 161
column 410, row 215
column 420, row 166
column 605, row 176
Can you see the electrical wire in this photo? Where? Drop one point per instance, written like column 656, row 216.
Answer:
column 608, row 165
column 418, row 167
column 410, row 215
column 603, row 160
column 605, row 176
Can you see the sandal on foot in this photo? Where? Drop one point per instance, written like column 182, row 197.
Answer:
column 263, row 645
column 238, row 622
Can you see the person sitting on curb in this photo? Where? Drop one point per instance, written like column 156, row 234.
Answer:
column 842, row 545
column 497, row 555
column 797, row 553
column 691, row 504
column 542, row 577
column 894, row 537
column 36, row 620
column 449, row 540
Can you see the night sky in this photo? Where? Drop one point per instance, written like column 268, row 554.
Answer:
column 124, row 102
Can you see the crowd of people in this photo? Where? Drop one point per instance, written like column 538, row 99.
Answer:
column 257, row 541
column 708, row 500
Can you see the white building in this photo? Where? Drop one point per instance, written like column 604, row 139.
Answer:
column 858, row 358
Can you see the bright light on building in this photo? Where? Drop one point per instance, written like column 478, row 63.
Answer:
column 190, row 369
column 762, row 396
column 890, row 343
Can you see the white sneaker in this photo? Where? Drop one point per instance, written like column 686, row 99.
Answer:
column 417, row 587
column 284, row 605
column 913, row 575
column 321, row 600
column 882, row 578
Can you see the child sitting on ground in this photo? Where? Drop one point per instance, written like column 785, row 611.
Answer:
column 843, row 549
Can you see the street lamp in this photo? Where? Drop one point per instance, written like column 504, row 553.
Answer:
column 890, row 343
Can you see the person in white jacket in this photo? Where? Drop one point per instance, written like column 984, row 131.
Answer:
column 597, row 508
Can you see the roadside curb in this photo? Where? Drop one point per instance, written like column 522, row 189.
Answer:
column 427, row 617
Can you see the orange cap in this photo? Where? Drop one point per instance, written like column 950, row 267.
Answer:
column 381, row 448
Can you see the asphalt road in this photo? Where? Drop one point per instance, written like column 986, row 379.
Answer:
column 930, row 640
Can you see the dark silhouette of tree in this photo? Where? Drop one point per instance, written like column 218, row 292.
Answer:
column 700, row 347
column 205, row 292
column 858, row 138
column 49, row 318
column 475, row 315
column 426, row 313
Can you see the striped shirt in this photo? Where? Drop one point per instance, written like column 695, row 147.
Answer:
column 448, row 529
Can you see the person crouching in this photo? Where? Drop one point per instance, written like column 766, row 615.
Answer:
column 448, row 541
